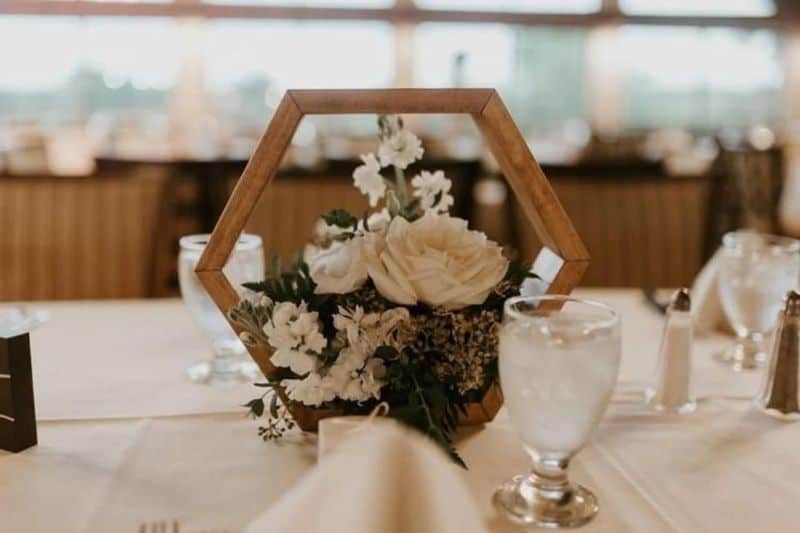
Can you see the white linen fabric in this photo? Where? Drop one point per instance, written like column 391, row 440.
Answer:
column 122, row 444
column 386, row 479
column 707, row 310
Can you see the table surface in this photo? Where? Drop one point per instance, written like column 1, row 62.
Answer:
column 125, row 439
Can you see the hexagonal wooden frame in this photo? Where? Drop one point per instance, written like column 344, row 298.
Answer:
column 561, row 262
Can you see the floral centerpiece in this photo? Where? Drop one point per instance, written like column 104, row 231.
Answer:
column 400, row 305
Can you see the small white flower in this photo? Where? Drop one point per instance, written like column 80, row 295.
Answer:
column 368, row 179
column 400, row 149
column 299, row 362
column 377, row 222
column 427, row 186
column 295, row 334
column 311, row 390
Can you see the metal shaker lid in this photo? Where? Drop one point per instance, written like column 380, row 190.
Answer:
column 792, row 307
column 682, row 301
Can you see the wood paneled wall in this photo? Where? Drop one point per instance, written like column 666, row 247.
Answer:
column 290, row 207
column 78, row 238
column 640, row 232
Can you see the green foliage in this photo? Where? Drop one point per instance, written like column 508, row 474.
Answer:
column 410, row 211
column 293, row 285
column 424, row 402
column 255, row 406
column 340, row 218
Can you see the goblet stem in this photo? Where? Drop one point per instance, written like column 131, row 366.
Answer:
column 549, row 477
column 746, row 353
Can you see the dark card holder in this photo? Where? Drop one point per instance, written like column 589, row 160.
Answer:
column 17, row 411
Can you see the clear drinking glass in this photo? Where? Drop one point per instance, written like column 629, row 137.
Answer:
column 229, row 361
column 755, row 273
column 559, row 360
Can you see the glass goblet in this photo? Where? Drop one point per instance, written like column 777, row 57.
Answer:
column 559, row 360
column 229, row 361
column 755, row 273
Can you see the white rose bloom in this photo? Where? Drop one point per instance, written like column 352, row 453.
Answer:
column 427, row 186
column 400, row 149
column 435, row 260
column 340, row 268
column 368, row 179
column 311, row 390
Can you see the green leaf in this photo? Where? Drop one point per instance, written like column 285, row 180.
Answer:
column 386, row 352
column 340, row 218
column 257, row 286
column 256, row 406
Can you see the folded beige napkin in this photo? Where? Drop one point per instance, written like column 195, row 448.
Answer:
column 707, row 310
column 378, row 479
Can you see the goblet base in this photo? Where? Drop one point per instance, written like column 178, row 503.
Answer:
column 521, row 501
column 742, row 356
column 209, row 373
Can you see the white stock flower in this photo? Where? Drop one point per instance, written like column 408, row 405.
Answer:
column 400, row 149
column 295, row 334
column 368, row 179
column 311, row 390
column 435, row 260
column 357, row 375
column 427, row 186
column 340, row 268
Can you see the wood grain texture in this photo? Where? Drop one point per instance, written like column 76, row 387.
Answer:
column 79, row 238
column 539, row 202
column 377, row 101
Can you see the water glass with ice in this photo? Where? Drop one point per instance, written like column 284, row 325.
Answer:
column 755, row 273
column 229, row 360
column 559, row 360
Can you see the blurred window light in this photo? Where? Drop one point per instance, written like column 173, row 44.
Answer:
column 310, row 3
column 447, row 55
column 517, row 6
column 299, row 54
column 539, row 71
column 700, row 8
column 700, row 76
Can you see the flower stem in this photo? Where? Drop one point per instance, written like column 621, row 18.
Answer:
column 400, row 186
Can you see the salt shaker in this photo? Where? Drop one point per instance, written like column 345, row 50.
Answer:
column 780, row 393
column 671, row 390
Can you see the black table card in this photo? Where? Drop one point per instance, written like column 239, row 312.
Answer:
column 17, row 413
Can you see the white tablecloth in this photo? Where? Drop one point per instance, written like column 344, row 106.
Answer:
column 124, row 439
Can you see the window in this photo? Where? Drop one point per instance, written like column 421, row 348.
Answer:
column 519, row 6
column 724, row 8
column 539, row 71
column 310, row 3
column 702, row 78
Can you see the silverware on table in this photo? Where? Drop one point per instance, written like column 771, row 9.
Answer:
column 164, row 526
column 160, row 526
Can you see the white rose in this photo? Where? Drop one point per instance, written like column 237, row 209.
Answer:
column 435, row 260
column 339, row 269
